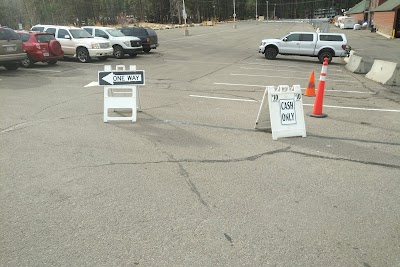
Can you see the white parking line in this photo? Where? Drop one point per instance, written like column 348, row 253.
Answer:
column 239, row 84
column 285, row 77
column 330, row 68
column 224, row 98
column 297, row 71
column 263, row 86
column 354, row 108
column 325, row 106
column 40, row 70
column 202, row 62
column 92, row 84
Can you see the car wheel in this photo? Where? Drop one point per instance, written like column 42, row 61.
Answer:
column 83, row 55
column 27, row 62
column 133, row 54
column 325, row 54
column 118, row 52
column 146, row 50
column 271, row 52
column 102, row 58
column 11, row 66
column 52, row 62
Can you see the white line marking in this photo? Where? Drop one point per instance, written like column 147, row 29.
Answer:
column 254, row 85
column 367, row 109
column 275, row 70
column 327, row 106
column 39, row 70
column 343, row 91
column 202, row 62
column 238, row 84
column 92, row 84
column 224, row 98
column 288, row 66
column 256, row 75
column 14, row 127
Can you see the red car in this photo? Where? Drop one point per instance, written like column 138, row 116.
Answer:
column 40, row 47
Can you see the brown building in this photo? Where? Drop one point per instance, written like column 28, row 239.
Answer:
column 386, row 18
column 359, row 12
column 382, row 15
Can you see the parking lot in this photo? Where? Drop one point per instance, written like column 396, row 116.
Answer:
column 192, row 183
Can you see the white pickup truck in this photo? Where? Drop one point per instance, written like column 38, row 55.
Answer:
column 313, row 44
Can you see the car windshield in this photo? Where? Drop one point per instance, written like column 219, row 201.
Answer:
column 80, row 33
column 24, row 36
column 151, row 32
column 7, row 34
column 44, row 38
column 115, row 33
column 37, row 28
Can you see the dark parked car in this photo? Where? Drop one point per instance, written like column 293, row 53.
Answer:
column 40, row 47
column 11, row 51
column 147, row 35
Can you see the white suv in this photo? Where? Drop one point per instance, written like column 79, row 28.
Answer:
column 122, row 44
column 76, row 42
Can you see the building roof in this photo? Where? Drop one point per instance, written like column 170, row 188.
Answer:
column 389, row 5
column 359, row 8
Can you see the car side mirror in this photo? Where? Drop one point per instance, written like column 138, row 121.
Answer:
column 285, row 39
column 67, row 37
column 104, row 36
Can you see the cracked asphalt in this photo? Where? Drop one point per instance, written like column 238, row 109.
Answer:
column 192, row 183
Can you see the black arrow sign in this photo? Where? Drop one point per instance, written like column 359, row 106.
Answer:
column 121, row 77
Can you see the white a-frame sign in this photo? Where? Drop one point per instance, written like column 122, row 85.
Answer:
column 281, row 112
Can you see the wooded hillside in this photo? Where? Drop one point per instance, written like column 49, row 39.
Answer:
column 64, row 12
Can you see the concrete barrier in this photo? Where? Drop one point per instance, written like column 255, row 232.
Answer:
column 346, row 59
column 358, row 64
column 385, row 72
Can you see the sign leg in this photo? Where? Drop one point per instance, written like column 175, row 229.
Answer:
column 139, row 105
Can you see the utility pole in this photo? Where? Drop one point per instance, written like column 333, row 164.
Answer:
column 184, row 15
column 267, row 11
column 368, row 7
column 274, row 11
column 256, row 11
column 234, row 14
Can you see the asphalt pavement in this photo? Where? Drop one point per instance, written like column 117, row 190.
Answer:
column 191, row 182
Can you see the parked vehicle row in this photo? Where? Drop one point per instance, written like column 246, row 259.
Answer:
column 50, row 43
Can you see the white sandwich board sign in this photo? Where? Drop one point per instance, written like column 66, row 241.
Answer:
column 284, row 115
column 121, row 91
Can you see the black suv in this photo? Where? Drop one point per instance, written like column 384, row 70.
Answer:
column 11, row 51
column 147, row 35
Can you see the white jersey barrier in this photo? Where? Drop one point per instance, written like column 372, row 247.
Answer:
column 385, row 72
column 358, row 64
column 285, row 115
column 121, row 91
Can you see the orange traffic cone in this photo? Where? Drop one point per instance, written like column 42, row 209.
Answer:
column 318, row 103
column 310, row 91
